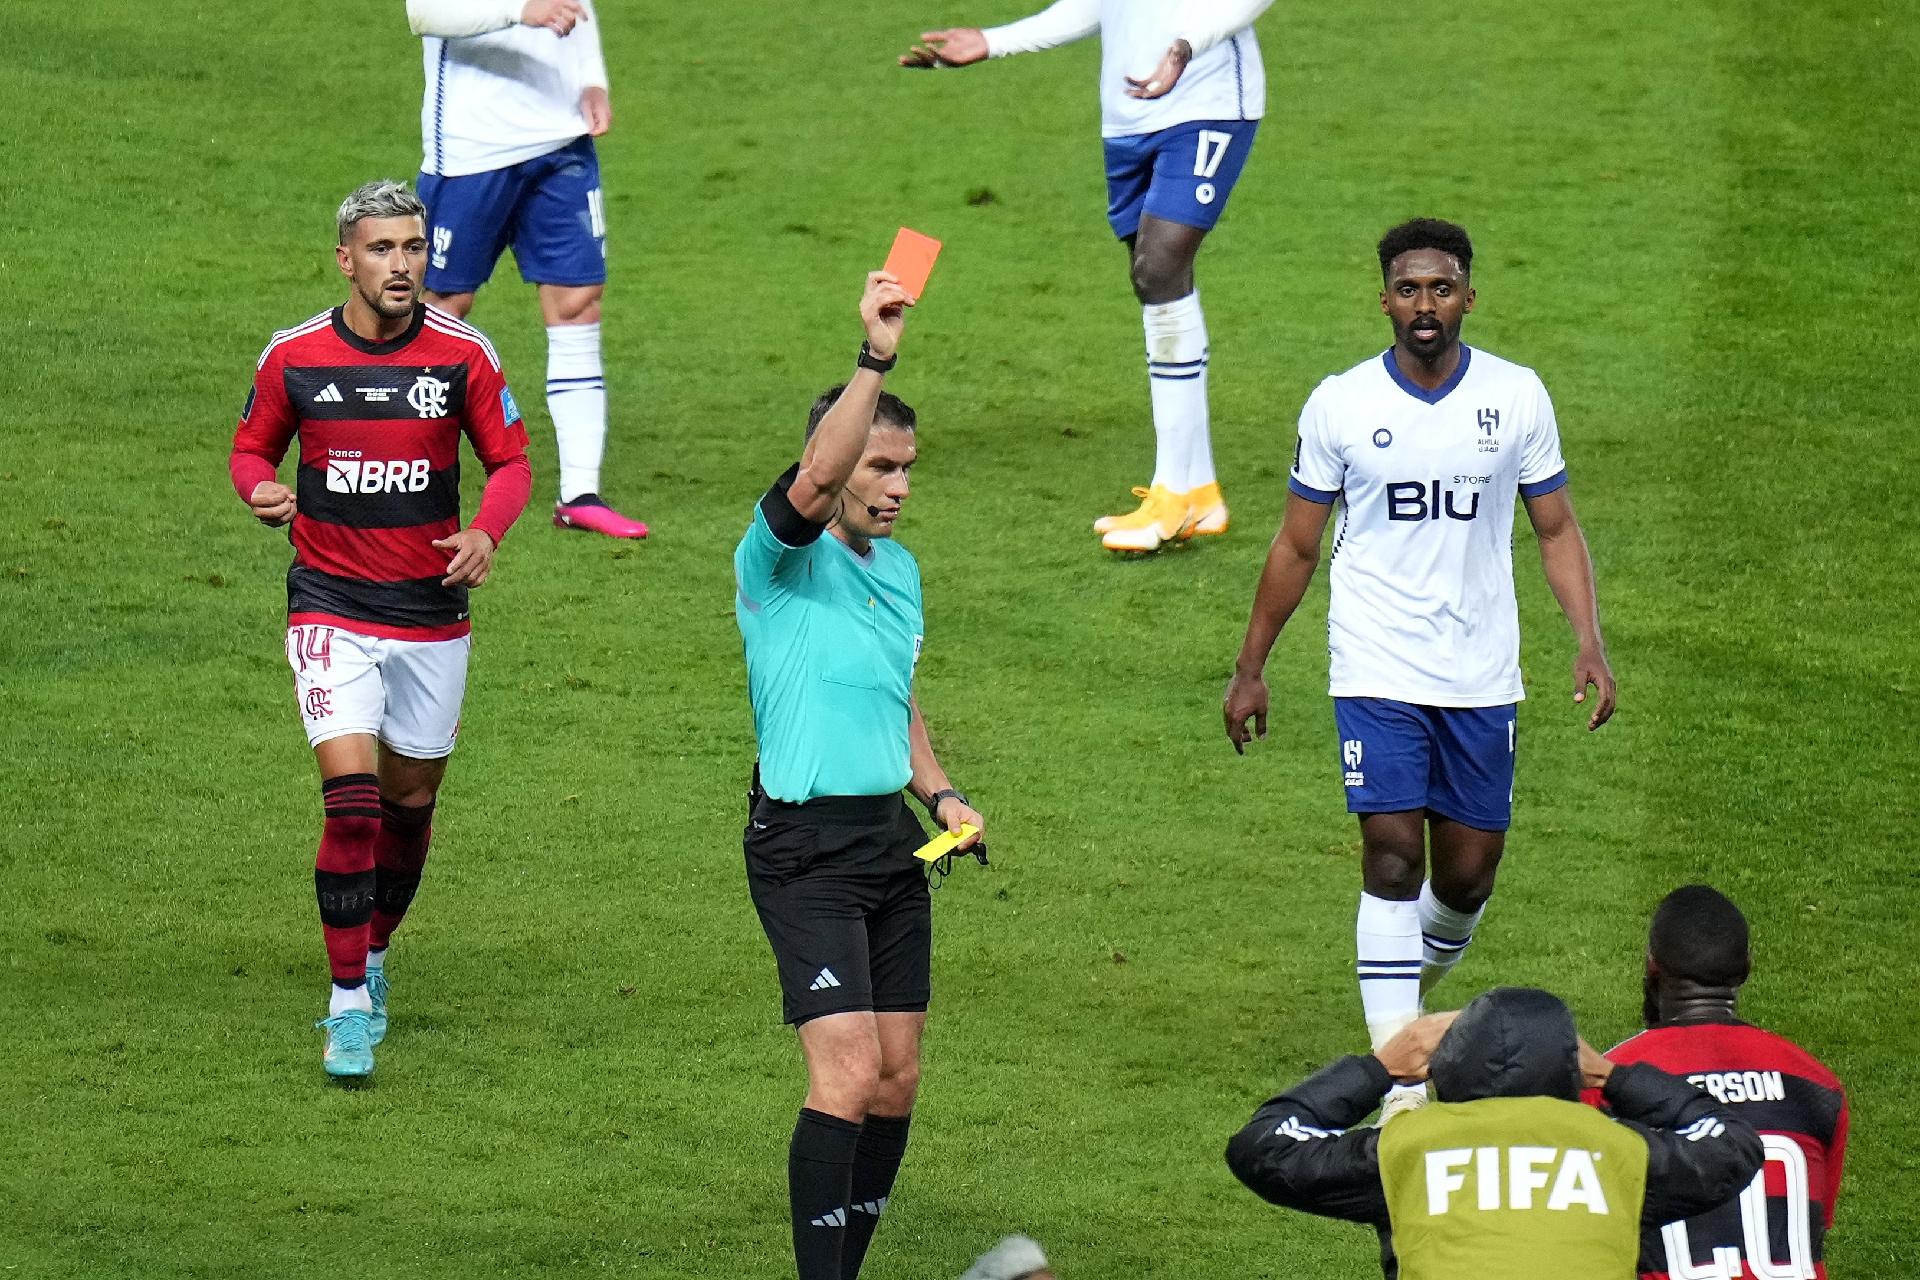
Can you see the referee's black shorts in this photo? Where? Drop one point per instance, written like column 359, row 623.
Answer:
column 844, row 903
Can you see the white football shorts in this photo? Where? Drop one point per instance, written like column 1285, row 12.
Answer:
column 405, row 692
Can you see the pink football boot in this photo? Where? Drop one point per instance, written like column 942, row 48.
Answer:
column 588, row 512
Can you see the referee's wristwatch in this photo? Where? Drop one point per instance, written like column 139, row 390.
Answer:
column 945, row 793
column 868, row 360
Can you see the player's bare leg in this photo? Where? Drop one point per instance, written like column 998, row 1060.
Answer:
column 843, row 1076
column 1393, row 859
column 1465, row 861
column 408, row 791
column 1184, row 496
column 577, row 403
column 343, row 880
column 883, row 1138
column 454, row 304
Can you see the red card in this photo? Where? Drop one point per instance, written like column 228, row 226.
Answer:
column 911, row 261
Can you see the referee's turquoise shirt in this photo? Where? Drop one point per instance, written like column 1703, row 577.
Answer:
column 831, row 640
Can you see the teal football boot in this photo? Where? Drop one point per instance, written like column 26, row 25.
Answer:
column 377, row 992
column 349, row 1053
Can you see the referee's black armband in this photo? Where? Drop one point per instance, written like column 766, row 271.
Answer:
column 788, row 525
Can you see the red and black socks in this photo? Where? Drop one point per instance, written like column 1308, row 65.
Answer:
column 399, row 854
column 343, row 872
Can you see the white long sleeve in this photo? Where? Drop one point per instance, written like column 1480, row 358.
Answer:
column 589, row 61
column 1206, row 23
column 1060, row 23
column 454, row 18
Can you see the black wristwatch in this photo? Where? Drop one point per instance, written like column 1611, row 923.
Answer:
column 933, row 801
column 868, row 360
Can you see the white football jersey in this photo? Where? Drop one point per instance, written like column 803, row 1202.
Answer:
column 1422, row 606
column 1225, row 80
column 497, row 99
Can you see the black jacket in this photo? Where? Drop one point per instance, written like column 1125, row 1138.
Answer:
column 1296, row 1150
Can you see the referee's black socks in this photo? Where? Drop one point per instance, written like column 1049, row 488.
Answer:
column 819, row 1185
column 876, row 1162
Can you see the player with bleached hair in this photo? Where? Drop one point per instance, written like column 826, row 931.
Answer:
column 516, row 93
column 1182, row 91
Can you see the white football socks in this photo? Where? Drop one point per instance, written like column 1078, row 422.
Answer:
column 1177, row 378
column 1387, row 950
column 577, row 403
column 345, row 998
column 376, row 959
column 1444, row 935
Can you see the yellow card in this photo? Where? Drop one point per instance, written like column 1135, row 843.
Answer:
column 942, row 845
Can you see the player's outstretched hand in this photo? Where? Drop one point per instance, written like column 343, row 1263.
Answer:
column 1246, row 700
column 557, row 16
column 472, row 558
column 883, row 311
column 272, row 503
column 598, row 110
column 1406, row 1055
column 952, row 812
column 1590, row 668
column 954, row 47
column 1160, row 81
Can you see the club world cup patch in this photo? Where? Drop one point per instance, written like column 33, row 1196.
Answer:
column 509, row 411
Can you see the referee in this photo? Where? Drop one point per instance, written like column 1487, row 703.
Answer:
column 832, row 630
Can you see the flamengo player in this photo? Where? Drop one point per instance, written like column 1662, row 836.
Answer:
column 1697, row 959
column 378, row 391
column 1175, row 144
column 516, row 92
column 1426, row 446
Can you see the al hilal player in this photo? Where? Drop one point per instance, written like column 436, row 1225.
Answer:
column 1424, row 447
column 1176, row 139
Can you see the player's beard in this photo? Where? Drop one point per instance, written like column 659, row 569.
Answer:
column 390, row 307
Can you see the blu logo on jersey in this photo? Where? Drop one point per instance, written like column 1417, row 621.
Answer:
column 1425, row 500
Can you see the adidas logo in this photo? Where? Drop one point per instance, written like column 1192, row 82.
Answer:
column 330, row 394
column 837, row 1218
column 824, row 981
column 873, row 1207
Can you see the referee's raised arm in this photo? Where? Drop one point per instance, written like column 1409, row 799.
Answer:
column 836, row 446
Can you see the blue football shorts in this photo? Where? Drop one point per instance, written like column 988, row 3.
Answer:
column 548, row 209
column 1183, row 174
column 1453, row 761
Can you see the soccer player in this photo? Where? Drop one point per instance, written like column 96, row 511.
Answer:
column 829, row 609
column 516, row 94
column 1425, row 447
column 378, row 392
column 1697, row 960
column 1176, row 139
column 1506, row 1176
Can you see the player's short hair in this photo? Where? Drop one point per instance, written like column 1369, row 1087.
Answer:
column 1426, row 233
column 381, row 198
column 892, row 411
column 1699, row 934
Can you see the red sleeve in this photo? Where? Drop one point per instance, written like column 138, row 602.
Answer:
column 492, row 420
column 509, row 484
column 267, row 426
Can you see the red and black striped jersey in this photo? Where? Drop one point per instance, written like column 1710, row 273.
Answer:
column 1775, row 1229
column 379, row 426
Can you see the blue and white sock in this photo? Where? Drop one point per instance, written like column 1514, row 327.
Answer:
column 577, row 403
column 1444, row 935
column 1387, row 951
column 1177, row 378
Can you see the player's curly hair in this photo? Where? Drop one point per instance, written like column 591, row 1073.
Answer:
column 1699, row 934
column 381, row 198
column 892, row 411
column 1426, row 233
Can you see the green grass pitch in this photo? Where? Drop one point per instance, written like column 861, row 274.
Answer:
column 1696, row 221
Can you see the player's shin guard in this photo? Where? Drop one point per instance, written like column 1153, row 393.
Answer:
column 343, row 872
column 1177, row 377
column 819, row 1184
column 876, row 1163
column 399, row 854
column 577, row 403
column 1387, row 947
column 1444, row 934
